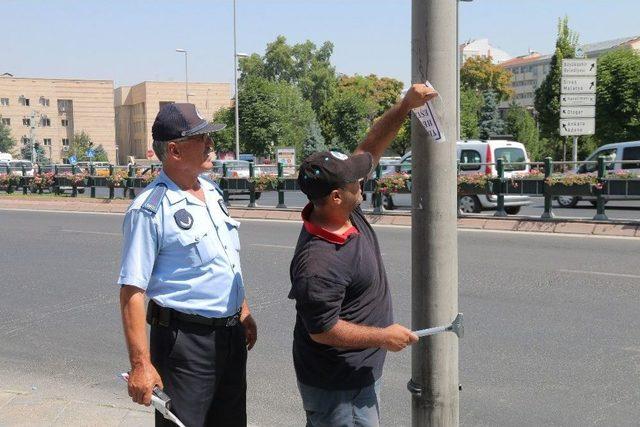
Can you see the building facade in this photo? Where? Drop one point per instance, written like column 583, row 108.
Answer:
column 137, row 106
column 481, row 48
column 529, row 71
column 51, row 111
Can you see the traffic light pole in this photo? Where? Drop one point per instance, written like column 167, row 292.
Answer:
column 434, row 368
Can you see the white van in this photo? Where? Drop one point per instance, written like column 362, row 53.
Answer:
column 15, row 167
column 611, row 152
column 5, row 157
column 474, row 151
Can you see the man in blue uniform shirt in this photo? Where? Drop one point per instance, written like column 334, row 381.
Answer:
column 181, row 249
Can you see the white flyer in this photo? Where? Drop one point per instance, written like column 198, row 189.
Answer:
column 429, row 119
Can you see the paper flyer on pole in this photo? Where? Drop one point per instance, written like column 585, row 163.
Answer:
column 429, row 119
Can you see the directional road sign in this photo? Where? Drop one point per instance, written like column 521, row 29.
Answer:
column 579, row 67
column 571, row 100
column 578, row 85
column 579, row 111
column 576, row 127
column 90, row 153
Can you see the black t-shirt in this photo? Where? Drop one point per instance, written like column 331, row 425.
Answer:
column 332, row 281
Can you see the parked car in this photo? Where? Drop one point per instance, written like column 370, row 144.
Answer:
column 15, row 167
column 611, row 152
column 474, row 151
column 236, row 169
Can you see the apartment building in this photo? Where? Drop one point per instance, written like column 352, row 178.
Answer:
column 137, row 106
column 52, row 110
column 529, row 71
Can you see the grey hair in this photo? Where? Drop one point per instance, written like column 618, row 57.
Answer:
column 160, row 148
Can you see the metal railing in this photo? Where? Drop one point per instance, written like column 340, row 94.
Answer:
column 539, row 179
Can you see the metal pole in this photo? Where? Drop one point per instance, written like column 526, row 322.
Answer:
column 434, row 288
column 186, row 75
column 235, row 83
column 575, row 152
column 32, row 137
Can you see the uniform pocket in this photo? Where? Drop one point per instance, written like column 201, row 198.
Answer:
column 199, row 247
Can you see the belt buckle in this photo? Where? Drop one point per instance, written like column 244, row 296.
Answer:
column 232, row 321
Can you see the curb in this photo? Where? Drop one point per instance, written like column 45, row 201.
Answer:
column 577, row 226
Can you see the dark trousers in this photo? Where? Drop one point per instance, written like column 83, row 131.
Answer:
column 203, row 369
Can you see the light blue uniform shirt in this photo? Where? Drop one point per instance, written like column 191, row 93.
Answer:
column 195, row 271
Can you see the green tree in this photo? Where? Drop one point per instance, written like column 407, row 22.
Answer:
column 547, row 100
column 79, row 145
column 470, row 105
column 314, row 141
column 522, row 126
column 482, row 75
column 350, row 118
column 272, row 114
column 27, row 153
column 7, row 142
column 402, row 142
column 618, row 95
column 490, row 123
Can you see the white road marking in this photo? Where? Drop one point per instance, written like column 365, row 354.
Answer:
column 601, row 273
column 102, row 233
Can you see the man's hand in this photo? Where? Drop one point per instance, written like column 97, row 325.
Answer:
column 250, row 327
column 418, row 95
column 397, row 337
column 142, row 379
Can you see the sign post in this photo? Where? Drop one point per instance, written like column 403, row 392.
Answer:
column 578, row 100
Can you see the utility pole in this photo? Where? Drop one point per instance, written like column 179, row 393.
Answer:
column 32, row 137
column 235, row 83
column 434, row 285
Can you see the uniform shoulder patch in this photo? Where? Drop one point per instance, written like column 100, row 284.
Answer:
column 154, row 200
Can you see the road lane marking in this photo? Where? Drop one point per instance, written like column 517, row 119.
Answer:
column 272, row 246
column 601, row 273
column 102, row 233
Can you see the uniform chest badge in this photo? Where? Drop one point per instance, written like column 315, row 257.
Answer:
column 223, row 206
column 183, row 219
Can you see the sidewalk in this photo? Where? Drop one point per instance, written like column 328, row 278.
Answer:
column 616, row 228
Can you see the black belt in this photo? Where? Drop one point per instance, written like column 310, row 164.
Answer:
column 158, row 315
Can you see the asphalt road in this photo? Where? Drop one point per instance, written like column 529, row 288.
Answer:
column 552, row 325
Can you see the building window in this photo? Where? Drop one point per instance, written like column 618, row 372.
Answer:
column 24, row 101
column 44, row 101
column 4, row 101
column 64, row 105
column 46, row 141
column 46, row 122
column 26, row 122
column 6, row 121
column 25, row 140
column 65, row 142
column 65, row 122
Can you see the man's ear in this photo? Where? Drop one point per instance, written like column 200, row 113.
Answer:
column 335, row 197
column 173, row 150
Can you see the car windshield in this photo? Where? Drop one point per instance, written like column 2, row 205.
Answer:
column 18, row 165
column 512, row 155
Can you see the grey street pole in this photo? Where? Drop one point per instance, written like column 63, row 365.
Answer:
column 186, row 73
column 434, row 285
column 32, row 137
column 235, row 83
column 575, row 151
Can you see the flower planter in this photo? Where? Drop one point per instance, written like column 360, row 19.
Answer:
column 468, row 189
column 570, row 190
column 623, row 187
column 525, row 186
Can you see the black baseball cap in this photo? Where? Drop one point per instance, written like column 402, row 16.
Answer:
column 180, row 120
column 323, row 172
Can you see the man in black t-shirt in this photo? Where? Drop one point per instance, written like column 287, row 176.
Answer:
column 344, row 322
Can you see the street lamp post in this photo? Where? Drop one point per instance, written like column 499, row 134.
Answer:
column 186, row 73
column 236, row 55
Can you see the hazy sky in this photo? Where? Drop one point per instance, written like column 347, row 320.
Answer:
column 132, row 41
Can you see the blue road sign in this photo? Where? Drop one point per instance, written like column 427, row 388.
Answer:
column 73, row 160
column 90, row 153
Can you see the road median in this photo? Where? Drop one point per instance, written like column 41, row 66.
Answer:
column 616, row 228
